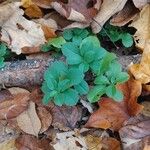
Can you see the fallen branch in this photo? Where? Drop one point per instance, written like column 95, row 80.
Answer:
column 29, row 73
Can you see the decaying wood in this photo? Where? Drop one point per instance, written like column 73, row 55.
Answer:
column 29, row 73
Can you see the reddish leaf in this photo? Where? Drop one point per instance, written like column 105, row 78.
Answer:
column 14, row 104
column 78, row 10
column 45, row 117
column 65, row 117
column 134, row 132
column 112, row 114
column 26, row 142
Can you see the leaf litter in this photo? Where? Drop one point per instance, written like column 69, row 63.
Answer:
column 28, row 124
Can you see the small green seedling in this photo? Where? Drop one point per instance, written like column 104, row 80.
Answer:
column 63, row 84
column 115, row 34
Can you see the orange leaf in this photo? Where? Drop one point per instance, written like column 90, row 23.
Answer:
column 112, row 114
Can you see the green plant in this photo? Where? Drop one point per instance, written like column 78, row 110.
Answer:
column 63, row 84
column 3, row 50
column 107, row 75
column 115, row 34
column 84, row 55
column 55, row 43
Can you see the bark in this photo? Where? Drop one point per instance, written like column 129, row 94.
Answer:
column 29, row 73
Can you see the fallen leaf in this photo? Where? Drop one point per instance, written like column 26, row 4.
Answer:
column 28, row 121
column 141, row 71
column 65, row 117
column 112, row 114
column 108, row 9
column 70, row 141
column 8, row 145
column 20, row 31
column 146, row 110
column 15, row 104
column 77, row 10
column 110, row 143
column 43, row 3
column 45, row 117
column 49, row 27
column 127, row 14
column 134, row 130
column 141, row 23
column 93, row 143
column 31, row 9
column 26, row 142
column 140, row 3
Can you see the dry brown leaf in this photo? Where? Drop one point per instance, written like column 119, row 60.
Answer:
column 141, row 71
column 28, row 121
column 8, row 145
column 11, row 107
column 26, row 142
column 20, row 31
column 112, row 114
column 127, row 14
column 108, row 9
column 77, row 10
column 65, row 117
column 43, row 3
column 134, row 130
column 141, row 23
column 45, row 117
column 146, row 110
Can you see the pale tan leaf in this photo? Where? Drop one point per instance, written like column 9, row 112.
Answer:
column 140, row 3
column 28, row 121
column 142, row 24
column 108, row 9
column 20, row 31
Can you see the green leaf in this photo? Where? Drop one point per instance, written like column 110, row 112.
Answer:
column 82, row 88
column 48, row 97
column 46, row 48
column 89, row 56
column 75, row 76
column 63, row 85
column 71, row 97
column 122, row 77
column 57, row 42
column 2, row 64
column 68, row 34
column 95, row 93
column 72, row 53
column 105, row 62
column 101, row 79
column 127, row 39
column 112, row 92
column 91, row 39
column 3, row 49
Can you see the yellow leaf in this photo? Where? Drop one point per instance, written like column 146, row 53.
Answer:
column 8, row 145
column 32, row 10
column 142, row 24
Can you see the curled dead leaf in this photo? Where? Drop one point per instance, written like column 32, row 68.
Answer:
column 127, row 14
column 112, row 114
